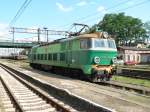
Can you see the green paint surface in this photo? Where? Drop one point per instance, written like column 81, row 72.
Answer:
column 74, row 56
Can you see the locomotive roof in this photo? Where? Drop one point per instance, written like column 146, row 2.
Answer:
column 81, row 36
column 92, row 35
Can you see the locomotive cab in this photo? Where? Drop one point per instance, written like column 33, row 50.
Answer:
column 101, row 55
column 104, row 59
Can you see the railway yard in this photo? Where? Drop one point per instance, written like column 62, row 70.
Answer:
column 66, row 93
column 74, row 56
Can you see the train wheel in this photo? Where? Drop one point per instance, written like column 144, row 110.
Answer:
column 94, row 79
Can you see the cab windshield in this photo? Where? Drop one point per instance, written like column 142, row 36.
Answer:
column 104, row 43
column 85, row 43
column 97, row 43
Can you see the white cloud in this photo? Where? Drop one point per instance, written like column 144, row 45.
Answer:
column 63, row 8
column 130, row 3
column 92, row 3
column 101, row 9
column 82, row 3
column 4, row 30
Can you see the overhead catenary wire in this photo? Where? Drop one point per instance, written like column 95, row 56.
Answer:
column 20, row 11
column 88, row 18
column 111, row 7
column 129, row 7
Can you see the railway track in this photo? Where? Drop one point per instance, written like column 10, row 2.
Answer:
column 55, row 105
column 19, row 96
column 135, row 73
column 140, row 90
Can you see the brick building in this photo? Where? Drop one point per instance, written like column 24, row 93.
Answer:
column 133, row 55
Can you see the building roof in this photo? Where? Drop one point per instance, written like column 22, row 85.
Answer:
column 133, row 48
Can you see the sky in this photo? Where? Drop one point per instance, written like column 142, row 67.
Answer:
column 61, row 14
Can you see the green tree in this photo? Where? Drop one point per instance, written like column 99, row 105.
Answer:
column 147, row 28
column 123, row 28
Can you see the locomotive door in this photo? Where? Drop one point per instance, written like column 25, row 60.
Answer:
column 69, row 54
column 69, row 58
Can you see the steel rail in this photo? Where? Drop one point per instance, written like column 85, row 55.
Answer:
column 138, row 89
column 58, row 106
column 92, row 106
column 135, row 73
column 18, row 108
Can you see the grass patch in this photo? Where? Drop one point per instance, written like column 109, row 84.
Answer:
column 141, row 82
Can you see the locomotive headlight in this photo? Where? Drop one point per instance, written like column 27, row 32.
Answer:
column 114, row 60
column 96, row 59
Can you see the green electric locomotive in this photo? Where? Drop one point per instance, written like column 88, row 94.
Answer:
column 90, row 55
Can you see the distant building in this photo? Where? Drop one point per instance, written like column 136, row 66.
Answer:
column 133, row 55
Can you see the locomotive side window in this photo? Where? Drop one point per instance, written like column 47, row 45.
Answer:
column 85, row 43
column 62, row 56
column 111, row 44
column 45, row 56
column 41, row 56
column 55, row 56
column 38, row 56
column 49, row 56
